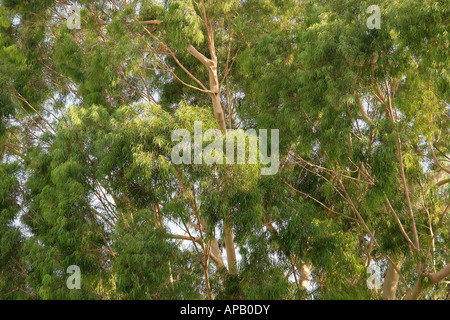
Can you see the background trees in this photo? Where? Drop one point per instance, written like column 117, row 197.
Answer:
column 87, row 116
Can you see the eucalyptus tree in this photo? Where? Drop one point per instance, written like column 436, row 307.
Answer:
column 366, row 114
column 90, row 101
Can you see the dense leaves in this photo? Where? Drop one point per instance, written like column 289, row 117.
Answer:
column 87, row 176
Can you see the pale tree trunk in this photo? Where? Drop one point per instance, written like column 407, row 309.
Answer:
column 231, row 251
column 391, row 281
column 305, row 271
column 216, row 255
column 434, row 278
column 211, row 66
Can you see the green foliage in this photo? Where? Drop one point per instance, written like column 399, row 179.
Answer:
column 87, row 179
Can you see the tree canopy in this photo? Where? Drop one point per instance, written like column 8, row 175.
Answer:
column 86, row 175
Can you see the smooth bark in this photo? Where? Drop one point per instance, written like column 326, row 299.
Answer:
column 434, row 278
column 391, row 281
